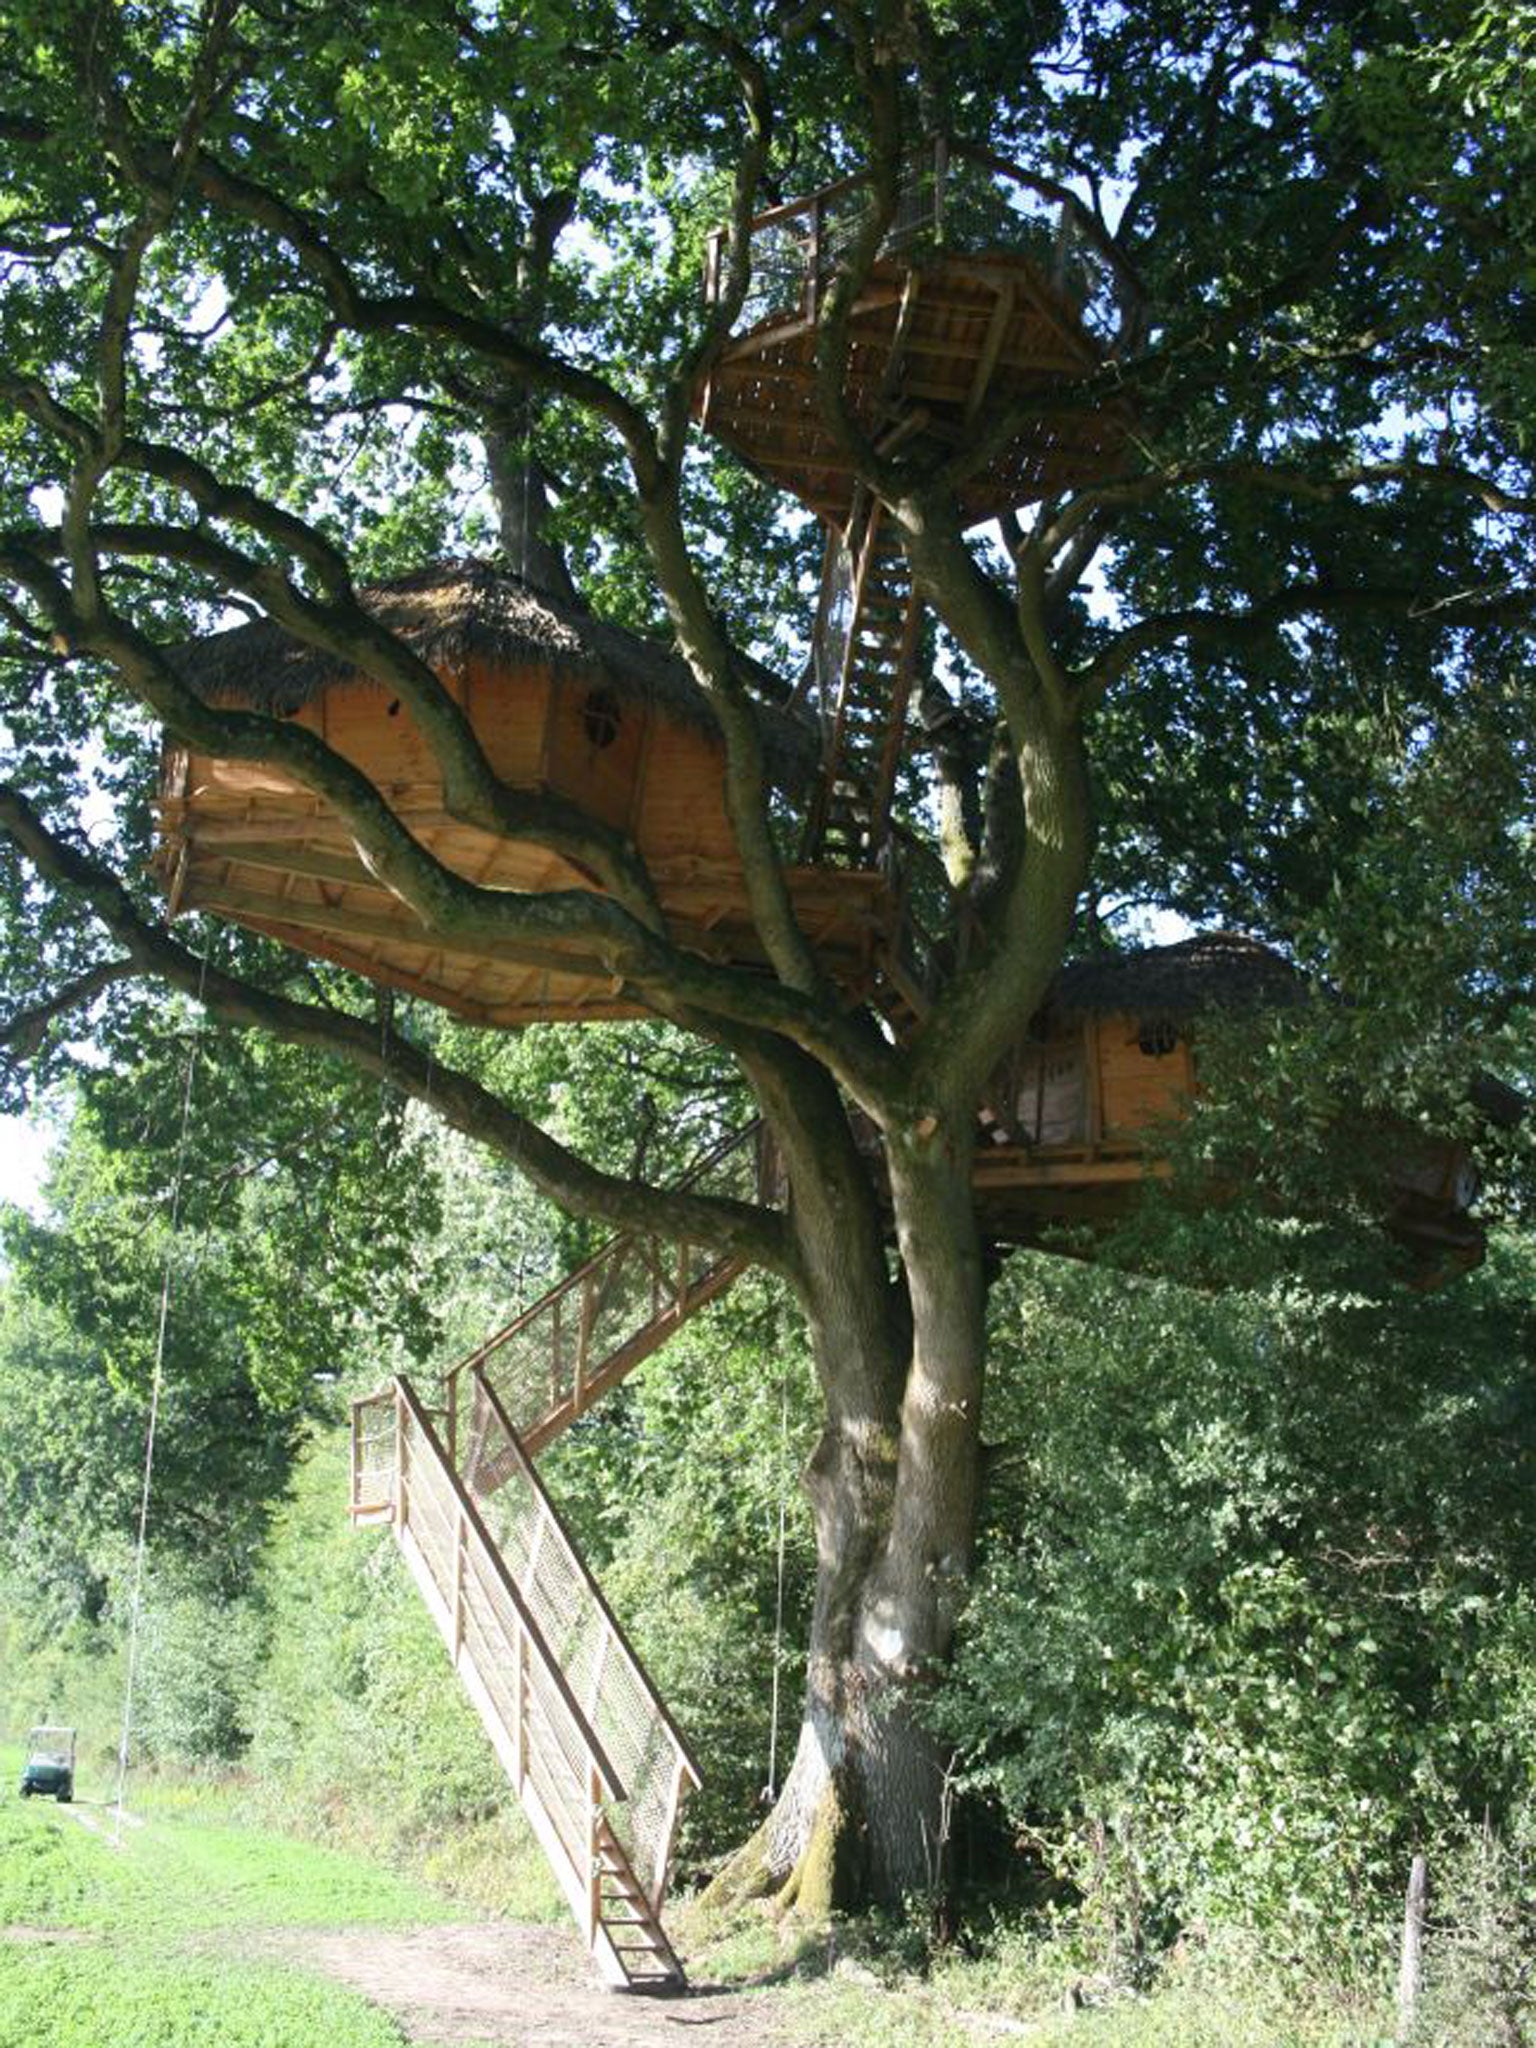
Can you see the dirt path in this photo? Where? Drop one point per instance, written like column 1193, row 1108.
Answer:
column 517, row 1987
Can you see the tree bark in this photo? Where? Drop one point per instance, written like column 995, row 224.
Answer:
column 893, row 1486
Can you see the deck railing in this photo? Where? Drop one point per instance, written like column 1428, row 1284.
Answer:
column 534, row 1714
column 949, row 197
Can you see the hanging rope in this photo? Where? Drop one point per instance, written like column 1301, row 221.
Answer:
column 771, row 1789
column 527, row 477
column 157, row 1384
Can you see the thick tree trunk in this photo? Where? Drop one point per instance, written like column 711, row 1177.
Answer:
column 893, row 1488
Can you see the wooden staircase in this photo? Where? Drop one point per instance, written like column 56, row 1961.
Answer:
column 597, row 1763
column 560, row 1355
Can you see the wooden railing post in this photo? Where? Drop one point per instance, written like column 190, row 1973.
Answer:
column 452, row 1420
column 583, row 1341
column 594, row 1853
column 402, row 1462
column 520, row 1711
column 940, row 180
column 813, row 257
column 458, row 1581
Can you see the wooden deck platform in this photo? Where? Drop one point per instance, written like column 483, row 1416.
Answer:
column 240, row 842
column 934, row 350
column 992, row 291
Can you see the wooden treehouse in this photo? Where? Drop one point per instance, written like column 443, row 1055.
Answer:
column 978, row 297
column 1079, row 1112
column 992, row 291
column 561, row 702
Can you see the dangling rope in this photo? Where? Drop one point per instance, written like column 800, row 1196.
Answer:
column 157, row 1384
column 527, row 478
column 771, row 1789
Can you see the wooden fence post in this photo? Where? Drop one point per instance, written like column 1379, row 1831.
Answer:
column 458, row 1581
column 1411, row 1971
column 402, row 1463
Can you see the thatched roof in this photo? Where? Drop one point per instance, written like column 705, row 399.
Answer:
column 1212, row 971
column 453, row 610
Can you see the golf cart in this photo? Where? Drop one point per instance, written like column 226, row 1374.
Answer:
column 50, row 1765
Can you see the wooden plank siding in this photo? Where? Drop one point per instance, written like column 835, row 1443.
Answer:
column 241, row 840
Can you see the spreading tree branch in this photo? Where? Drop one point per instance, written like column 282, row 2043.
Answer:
column 740, row 1227
column 23, row 1032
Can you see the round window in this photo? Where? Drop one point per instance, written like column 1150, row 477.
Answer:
column 600, row 717
column 1157, row 1037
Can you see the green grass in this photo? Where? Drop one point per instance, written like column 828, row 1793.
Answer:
column 183, row 1877
column 84, row 1995
column 110, row 1946
column 835, row 2015
column 869, row 1986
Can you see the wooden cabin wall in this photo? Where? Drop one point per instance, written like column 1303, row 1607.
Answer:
column 509, row 710
column 682, row 796
column 373, row 730
column 1102, row 1082
column 595, row 749
column 623, row 761
column 1145, row 1075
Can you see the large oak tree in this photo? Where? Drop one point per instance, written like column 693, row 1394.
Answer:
column 300, row 292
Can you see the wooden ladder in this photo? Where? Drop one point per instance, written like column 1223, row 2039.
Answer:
column 848, row 824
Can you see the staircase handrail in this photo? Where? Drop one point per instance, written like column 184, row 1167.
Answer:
column 490, row 1555
column 584, row 1571
column 731, row 1142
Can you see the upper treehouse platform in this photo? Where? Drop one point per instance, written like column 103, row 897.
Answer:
column 992, row 291
column 561, row 702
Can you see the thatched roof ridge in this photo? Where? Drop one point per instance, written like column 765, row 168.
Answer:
column 451, row 611
column 1212, row 971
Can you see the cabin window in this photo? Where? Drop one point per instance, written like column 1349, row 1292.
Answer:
column 1157, row 1037
column 1052, row 1103
column 600, row 718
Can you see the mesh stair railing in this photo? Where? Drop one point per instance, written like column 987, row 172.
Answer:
column 597, row 1763
column 563, row 1353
